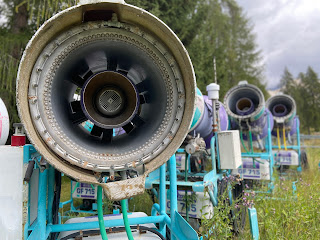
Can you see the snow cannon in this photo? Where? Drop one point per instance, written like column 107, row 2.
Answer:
column 283, row 108
column 4, row 123
column 286, row 124
column 116, row 66
column 245, row 106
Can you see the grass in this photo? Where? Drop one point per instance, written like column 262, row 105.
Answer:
column 280, row 216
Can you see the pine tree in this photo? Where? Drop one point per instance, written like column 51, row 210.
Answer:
column 24, row 17
column 207, row 28
column 311, row 84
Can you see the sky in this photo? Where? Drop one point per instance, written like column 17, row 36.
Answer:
column 288, row 34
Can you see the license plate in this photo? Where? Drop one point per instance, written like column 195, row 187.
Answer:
column 84, row 191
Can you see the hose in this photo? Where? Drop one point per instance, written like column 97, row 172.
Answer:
column 242, row 142
column 125, row 219
column 100, row 214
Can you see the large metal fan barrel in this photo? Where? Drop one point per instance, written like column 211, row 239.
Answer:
column 116, row 67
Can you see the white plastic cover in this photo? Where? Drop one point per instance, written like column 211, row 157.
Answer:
column 229, row 149
column 11, row 192
column 4, row 123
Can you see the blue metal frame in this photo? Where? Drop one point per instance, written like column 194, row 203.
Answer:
column 42, row 227
column 210, row 179
column 76, row 209
column 210, row 182
column 267, row 155
column 253, row 219
column 294, row 147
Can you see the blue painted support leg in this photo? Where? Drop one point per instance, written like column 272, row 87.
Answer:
column 180, row 229
column 173, row 193
column 39, row 231
column 299, row 169
column 162, row 199
column 51, row 180
column 271, row 163
column 294, row 189
column 253, row 218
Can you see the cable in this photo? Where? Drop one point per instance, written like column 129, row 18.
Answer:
column 125, row 219
column 56, row 201
column 110, row 230
column 100, row 214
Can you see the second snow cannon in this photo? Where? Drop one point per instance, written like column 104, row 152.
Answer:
column 286, row 124
column 245, row 105
column 283, row 108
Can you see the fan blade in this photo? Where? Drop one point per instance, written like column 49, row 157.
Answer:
column 78, row 117
column 141, row 87
column 96, row 131
column 123, row 72
column 138, row 121
column 79, row 81
column 143, row 99
column 112, row 64
column 96, row 59
column 128, row 128
column 75, row 106
column 107, row 135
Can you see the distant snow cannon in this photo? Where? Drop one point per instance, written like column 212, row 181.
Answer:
column 283, row 108
column 4, row 123
column 286, row 124
column 245, row 106
column 202, row 118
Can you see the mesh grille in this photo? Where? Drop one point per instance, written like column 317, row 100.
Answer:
column 110, row 101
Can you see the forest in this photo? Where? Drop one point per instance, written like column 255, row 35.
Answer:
column 208, row 29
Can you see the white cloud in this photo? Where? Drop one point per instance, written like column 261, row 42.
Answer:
column 287, row 32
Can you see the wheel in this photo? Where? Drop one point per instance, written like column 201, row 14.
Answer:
column 241, row 213
column 304, row 160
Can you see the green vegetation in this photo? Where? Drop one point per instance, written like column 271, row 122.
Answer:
column 208, row 28
column 213, row 28
column 282, row 216
column 305, row 89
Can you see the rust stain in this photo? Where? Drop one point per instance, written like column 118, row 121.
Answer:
column 32, row 97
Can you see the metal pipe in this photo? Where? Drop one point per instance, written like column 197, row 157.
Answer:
column 51, row 180
column 107, row 224
column 167, row 219
column 173, row 193
column 42, row 204
column 162, row 199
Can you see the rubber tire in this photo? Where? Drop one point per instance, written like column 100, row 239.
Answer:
column 304, row 160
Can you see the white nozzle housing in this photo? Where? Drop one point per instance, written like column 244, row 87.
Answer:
column 213, row 91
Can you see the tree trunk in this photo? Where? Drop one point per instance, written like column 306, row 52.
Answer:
column 20, row 19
